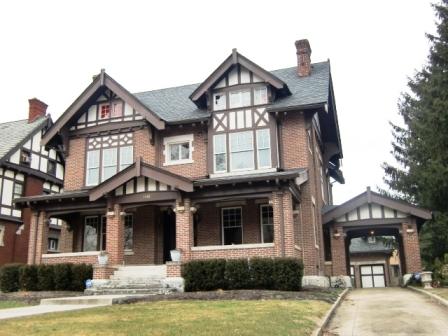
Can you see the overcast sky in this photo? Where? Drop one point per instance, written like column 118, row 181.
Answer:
column 51, row 49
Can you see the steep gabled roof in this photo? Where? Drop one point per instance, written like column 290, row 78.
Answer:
column 138, row 169
column 14, row 133
column 229, row 62
column 101, row 82
column 370, row 197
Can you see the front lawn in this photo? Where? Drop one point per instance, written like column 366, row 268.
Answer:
column 12, row 304
column 229, row 317
column 442, row 292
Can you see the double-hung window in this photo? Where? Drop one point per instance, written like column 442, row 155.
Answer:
column 239, row 99
column 232, row 228
column 93, row 167
column 109, row 163
column 267, row 224
column 264, row 148
column 220, row 153
column 260, row 95
column 241, row 151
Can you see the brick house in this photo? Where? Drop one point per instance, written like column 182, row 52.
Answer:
column 236, row 166
column 26, row 169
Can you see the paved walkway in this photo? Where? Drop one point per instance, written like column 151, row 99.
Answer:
column 388, row 311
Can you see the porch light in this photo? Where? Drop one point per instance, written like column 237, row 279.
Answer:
column 372, row 232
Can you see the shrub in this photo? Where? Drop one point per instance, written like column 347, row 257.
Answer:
column 9, row 278
column 237, row 274
column 62, row 276
column 80, row 273
column 288, row 274
column 204, row 274
column 262, row 272
column 45, row 277
column 28, row 278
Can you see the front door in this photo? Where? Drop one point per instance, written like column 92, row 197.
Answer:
column 169, row 234
column 372, row 276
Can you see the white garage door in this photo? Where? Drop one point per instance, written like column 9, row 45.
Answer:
column 372, row 276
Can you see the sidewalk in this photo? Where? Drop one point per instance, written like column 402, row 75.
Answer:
column 61, row 304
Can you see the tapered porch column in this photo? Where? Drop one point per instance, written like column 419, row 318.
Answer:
column 411, row 247
column 184, row 228
column 338, row 254
column 115, row 236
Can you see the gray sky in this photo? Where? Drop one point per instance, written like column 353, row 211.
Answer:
column 51, row 49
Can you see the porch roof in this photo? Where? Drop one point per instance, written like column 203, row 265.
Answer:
column 300, row 174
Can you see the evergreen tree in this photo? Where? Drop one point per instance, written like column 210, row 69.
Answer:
column 421, row 146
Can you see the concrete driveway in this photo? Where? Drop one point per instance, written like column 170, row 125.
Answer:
column 388, row 311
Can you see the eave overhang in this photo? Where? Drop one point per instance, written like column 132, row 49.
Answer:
column 101, row 82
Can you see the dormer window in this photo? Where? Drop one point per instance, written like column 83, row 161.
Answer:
column 219, row 101
column 25, row 157
column 104, row 111
column 239, row 99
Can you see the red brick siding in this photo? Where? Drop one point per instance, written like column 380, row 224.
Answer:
column 411, row 247
column 115, row 236
column 90, row 259
column 143, row 148
column 7, row 250
column 338, row 254
column 235, row 253
column 75, row 165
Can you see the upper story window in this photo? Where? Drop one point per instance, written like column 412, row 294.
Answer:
column 229, row 99
column 25, row 157
column 51, row 169
column 104, row 111
column 111, row 110
column 108, row 155
column 178, row 149
column 240, row 151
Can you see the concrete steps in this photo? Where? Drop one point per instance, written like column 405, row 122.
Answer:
column 133, row 280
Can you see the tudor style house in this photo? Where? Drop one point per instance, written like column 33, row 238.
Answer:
column 26, row 169
column 240, row 165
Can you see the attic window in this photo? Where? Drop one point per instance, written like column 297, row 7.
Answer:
column 25, row 157
column 219, row 101
column 104, row 111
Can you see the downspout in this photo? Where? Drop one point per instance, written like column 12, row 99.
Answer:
column 279, row 142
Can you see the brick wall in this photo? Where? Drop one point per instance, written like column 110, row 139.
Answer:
column 7, row 250
column 75, row 165
column 143, row 148
column 81, row 259
column 115, row 236
column 65, row 239
column 234, row 253
column 411, row 246
column 338, row 252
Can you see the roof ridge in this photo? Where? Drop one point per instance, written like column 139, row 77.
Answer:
column 184, row 85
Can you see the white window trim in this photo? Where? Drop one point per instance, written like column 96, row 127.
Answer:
column 176, row 140
column 261, row 220
column 222, row 225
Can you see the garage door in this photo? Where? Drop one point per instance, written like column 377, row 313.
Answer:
column 372, row 276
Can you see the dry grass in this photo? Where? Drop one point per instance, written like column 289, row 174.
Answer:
column 269, row 317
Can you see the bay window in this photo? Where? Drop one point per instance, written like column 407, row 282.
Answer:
column 240, row 151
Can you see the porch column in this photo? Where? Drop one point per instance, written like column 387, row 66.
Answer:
column 277, row 209
column 66, row 239
column 41, row 234
column 288, row 224
column 32, row 238
column 338, row 255
column 411, row 247
column 115, row 236
column 184, row 228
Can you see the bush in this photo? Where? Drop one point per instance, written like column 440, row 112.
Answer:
column 262, row 273
column 28, row 278
column 62, row 276
column 204, row 275
column 9, row 278
column 80, row 273
column 288, row 274
column 237, row 274
column 45, row 277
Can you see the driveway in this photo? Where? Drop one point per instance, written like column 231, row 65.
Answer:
column 388, row 311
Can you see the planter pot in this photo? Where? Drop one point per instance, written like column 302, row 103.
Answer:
column 175, row 255
column 426, row 279
column 103, row 259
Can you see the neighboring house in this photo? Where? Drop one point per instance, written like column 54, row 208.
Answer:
column 26, row 169
column 372, row 262
column 237, row 166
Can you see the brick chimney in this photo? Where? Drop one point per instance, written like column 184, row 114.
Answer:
column 37, row 109
column 303, row 58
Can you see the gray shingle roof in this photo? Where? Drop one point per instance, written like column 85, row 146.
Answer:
column 173, row 104
column 14, row 132
column 360, row 245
